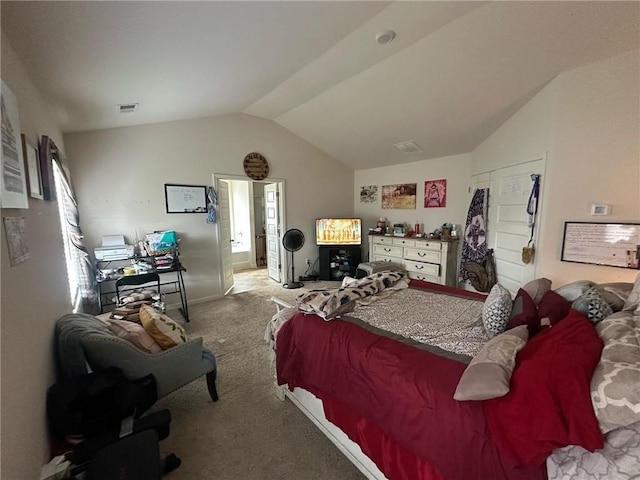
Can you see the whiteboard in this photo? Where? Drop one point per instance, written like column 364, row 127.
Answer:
column 185, row 198
column 612, row 244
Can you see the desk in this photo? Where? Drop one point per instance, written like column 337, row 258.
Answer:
column 106, row 286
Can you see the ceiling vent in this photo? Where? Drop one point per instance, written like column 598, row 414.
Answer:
column 127, row 107
column 408, row 148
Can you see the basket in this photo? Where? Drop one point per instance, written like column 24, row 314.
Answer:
column 152, row 252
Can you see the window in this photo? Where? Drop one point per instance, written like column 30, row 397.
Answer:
column 66, row 207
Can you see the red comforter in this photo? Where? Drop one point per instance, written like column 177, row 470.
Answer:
column 395, row 400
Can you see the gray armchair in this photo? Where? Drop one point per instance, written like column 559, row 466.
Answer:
column 84, row 341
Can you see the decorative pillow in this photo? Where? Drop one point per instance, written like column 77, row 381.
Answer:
column 633, row 300
column 537, row 288
column 496, row 310
column 573, row 290
column 615, row 293
column 164, row 331
column 548, row 405
column 552, row 308
column 524, row 312
column 488, row 374
column 615, row 391
column 592, row 305
column 134, row 333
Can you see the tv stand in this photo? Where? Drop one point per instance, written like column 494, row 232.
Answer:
column 338, row 261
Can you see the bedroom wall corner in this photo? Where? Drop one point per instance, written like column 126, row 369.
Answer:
column 596, row 159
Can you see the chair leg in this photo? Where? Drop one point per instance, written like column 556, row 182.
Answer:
column 211, row 385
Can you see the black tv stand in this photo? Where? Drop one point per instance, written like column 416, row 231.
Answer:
column 338, row 261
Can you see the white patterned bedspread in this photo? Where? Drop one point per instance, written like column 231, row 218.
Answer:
column 618, row 460
column 449, row 322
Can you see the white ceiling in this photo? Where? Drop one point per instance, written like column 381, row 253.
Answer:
column 455, row 72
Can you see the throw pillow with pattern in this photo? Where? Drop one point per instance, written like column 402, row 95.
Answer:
column 496, row 310
column 592, row 305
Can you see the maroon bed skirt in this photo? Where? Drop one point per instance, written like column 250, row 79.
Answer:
column 394, row 400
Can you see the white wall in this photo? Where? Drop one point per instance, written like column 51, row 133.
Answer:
column 455, row 169
column 119, row 174
column 588, row 122
column 34, row 295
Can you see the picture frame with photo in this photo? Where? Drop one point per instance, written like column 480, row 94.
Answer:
column 32, row 167
column 14, row 185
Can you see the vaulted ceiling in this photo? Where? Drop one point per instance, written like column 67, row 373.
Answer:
column 453, row 74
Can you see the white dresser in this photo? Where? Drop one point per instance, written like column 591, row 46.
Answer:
column 423, row 258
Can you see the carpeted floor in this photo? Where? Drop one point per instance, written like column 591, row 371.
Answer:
column 248, row 434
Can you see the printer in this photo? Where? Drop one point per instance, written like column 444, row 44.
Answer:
column 114, row 248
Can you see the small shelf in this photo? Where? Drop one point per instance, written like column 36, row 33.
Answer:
column 338, row 261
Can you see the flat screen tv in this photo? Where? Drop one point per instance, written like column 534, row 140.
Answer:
column 338, row 231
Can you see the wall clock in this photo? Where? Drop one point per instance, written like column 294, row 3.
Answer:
column 256, row 166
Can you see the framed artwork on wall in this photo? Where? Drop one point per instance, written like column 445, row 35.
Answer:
column 402, row 195
column 32, row 160
column 14, row 184
column 369, row 194
column 435, row 193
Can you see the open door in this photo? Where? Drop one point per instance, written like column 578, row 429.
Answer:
column 272, row 218
column 224, row 219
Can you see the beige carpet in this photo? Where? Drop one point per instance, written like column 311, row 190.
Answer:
column 248, row 434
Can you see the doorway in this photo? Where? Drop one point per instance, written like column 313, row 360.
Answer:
column 249, row 226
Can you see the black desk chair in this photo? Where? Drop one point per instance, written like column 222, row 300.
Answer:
column 140, row 279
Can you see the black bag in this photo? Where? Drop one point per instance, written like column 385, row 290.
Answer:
column 97, row 402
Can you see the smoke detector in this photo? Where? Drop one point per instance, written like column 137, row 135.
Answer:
column 408, row 148
column 127, row 107
column 385, row 36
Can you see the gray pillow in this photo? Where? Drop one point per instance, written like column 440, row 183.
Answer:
column 615, row 294
column 489, row 373
column 573, row 290
column 496, row 310
column 537, row 288
column 633, row 300
column 592, row 305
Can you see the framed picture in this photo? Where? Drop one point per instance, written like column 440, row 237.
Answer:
column 14, row 184
column 32, row 161
column 612, row 244
column 402, row 195
column 185, row 198
column 435, row 193
column 369, row 194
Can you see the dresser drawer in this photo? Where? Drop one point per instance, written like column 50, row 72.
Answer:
column 429, row 245
column 404, row 242
column 387, row 259
column 387, row 250
column 422, row 255
column 424, row 278
column 422, row 268
column 381, row 240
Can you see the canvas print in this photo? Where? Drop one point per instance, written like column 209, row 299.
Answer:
column 435, row 193
column 14, row 184
column 16, row 241
column 369, row 194
column 402, row 195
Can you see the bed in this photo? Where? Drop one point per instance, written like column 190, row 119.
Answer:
column 382, row 388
